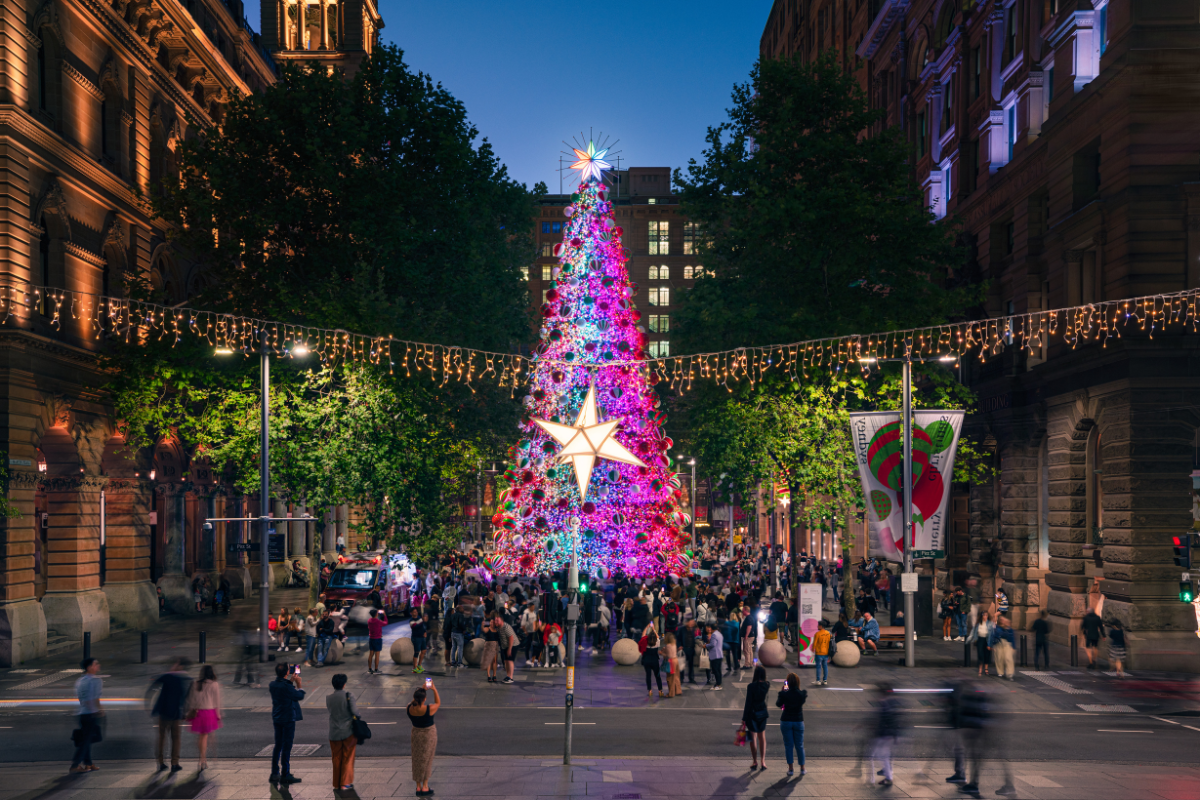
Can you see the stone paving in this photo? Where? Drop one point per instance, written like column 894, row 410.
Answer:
column 604, row 779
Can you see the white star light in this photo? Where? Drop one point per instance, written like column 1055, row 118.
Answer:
column 591, row 162
column 587, row 440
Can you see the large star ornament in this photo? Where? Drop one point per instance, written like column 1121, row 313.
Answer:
column 591, row 162
column 587, row 440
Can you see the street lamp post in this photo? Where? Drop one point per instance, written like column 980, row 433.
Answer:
column 906, row 362
column 572, row 617
column 692, row 496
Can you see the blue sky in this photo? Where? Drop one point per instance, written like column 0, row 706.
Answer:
column 653, row 73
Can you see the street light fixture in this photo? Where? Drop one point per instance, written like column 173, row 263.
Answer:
column 910, row 656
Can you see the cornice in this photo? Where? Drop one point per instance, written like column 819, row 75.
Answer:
column 83, row 80
column 83, row 254
column 71, row 483
column 15, row 338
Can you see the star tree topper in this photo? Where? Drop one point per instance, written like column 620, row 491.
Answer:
column 587, row 440
column 591, row 162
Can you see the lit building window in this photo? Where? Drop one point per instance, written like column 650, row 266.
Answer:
column 664, row 273
column 659, row 238
column 660, row 349
column 546, row 272
column 691, row 238
column 545, row 227
column 525, row 273
column 660, row 323
column 653, row 272
column 660, row 296
column 547, row 249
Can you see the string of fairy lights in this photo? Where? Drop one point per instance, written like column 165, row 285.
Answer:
column 140, row 321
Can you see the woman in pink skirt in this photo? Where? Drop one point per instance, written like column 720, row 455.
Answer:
column 205, row 706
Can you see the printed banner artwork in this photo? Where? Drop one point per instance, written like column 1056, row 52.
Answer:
column 809, row 617
column 879, row 451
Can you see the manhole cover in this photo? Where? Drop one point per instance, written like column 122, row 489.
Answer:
column 298, row 750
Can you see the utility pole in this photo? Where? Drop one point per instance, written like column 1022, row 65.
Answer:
column 264, row 504
column 572, row 617
column 910, row 656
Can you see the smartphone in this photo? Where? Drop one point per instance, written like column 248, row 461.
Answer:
column 785, row 686
column 428, row 683
column 297, row 669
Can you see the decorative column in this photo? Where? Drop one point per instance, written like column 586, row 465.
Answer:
column 1020, row 527
column 22, row 622
column 74, row 603
column 175, row 586
column 236, row 571
column 132, row 599
column 324, row 25
column 298, row 537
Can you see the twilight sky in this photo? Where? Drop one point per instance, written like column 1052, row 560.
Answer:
column 653, row 73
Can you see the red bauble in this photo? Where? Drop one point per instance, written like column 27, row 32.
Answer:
column 589, row 507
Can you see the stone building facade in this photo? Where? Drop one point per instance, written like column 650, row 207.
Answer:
column 95, row 97
column 1063, row 135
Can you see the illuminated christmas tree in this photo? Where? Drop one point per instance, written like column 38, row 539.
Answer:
column 592, row 468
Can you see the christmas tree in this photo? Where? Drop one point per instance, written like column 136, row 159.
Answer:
column 592, row 469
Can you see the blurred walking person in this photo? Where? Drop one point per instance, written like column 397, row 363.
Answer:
column 1116, row 647
column 976, row 722
column 670, row 655
column 87, row 690
column 342, row 742
column 204, row 710
column 169, row 709
column 1002, row 641
column 424, row 736
column 791, row 724
column 247, row 658
column 1041, row 639
column 887, row 731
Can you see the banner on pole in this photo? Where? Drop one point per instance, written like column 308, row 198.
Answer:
column 809, row 619
column 879, row 452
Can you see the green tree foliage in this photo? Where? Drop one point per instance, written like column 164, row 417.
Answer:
column 813, row 229
column 363, row 203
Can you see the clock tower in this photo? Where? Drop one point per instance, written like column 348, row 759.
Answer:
column 336, row 33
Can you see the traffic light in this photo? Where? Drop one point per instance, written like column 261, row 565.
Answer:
column 1186, row 593
column 1183, row 550
column 583, row 587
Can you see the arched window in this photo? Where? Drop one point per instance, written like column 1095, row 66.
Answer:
column 41, row 75
column 1095, row 487
column 653, row 272
column 687, row 273
column 945, row 25
column 664, row 273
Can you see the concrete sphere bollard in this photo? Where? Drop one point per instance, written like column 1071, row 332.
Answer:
column 474, row 651
column 625, row 652
column 846, row 655
column 771, row 653
column 402, row 651
column 335, row 652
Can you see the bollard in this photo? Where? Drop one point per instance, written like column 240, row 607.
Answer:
column 145, row 647
column 966, row 654
column 87, row 644
column 203, row 645
column 1074, row 650
column 1024, row 650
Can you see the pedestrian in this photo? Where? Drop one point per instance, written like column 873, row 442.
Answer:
column 1116, row 647
column 310, row 637
column 87, row 690
column 791, row 724
column 169, row 709
column 1093, row 629
column 651, row 660
column 204, row 710
column 341, row 544
column 537, row 644
column 961, row 611
column 342, row 742
column 551, row 639
column 714, row 642
column 286, row 693
column 248, row 658
column 424, row 736
column 821, row 652
column 946, row 613
column 749, row 636
column 603, row 624
column 887, row 731
column 869, row 641
column 491, row 650
column 670, row 655
column 460, row 625
column 974, row 719
column 755, row 716
column 198, row 593
column 731, row 643
column 375, row 627
column 687, row 643
column 325, row 632
column 1001, row 603
column 508, row 648
column 1041, row 639
column 1002, row 641
column 981, row 635
column 528, row 626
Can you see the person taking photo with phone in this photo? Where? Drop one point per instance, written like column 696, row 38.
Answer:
column 424, row 735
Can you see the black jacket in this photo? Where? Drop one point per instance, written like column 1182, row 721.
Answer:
column 792, row 703
column 687, row 639
column 756, row 701
column 172, row 695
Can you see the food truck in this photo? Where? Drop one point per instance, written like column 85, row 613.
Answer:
column 362, row 581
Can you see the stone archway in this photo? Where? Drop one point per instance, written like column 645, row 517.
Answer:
column 128, row 499
column 171, row 530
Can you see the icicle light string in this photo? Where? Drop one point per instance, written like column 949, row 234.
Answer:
column 135, row 321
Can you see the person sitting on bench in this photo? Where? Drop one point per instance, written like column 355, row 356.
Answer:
column 869, row 641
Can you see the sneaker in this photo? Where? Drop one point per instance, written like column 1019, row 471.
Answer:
column 716, row 688
column 886, row 782
column 956, row 778
column 176, row 768
column 508, row 680
column 274, row 778
column 1006, row 789
column 969, row 788
column 290, row 778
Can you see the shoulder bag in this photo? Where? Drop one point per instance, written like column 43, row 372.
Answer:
column 358, row 725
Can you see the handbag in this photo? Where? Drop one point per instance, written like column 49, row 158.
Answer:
column 358, row 726
column 739, row 738
column 702, row 662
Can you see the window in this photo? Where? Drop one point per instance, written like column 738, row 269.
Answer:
column 947, row 182
column 1010, row 124
column 976, row 71
column 653, row 273
column 547, row 249
column 691, row 237
column 948, row 105
column 922, row 133
column 1050, row 85
column 660, row 323
column 1085, row 175
column 546, row 272
column 659, row 240
column 545, row 227
column 652, row 201
column 664, row 273
column 524, row 273
column 41, row 74
column 1010, row 32
column 544, row 291
column 1102, row 26
column 688, row 274
column 1010, row 238
column 660, row 349
column 660, row 296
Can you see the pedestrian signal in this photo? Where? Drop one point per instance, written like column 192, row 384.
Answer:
column 1182, row 545
column 1186, row 592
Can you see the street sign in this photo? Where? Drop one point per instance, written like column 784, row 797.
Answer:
column 908, row 582
column 242, row 547
column 929, row 553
